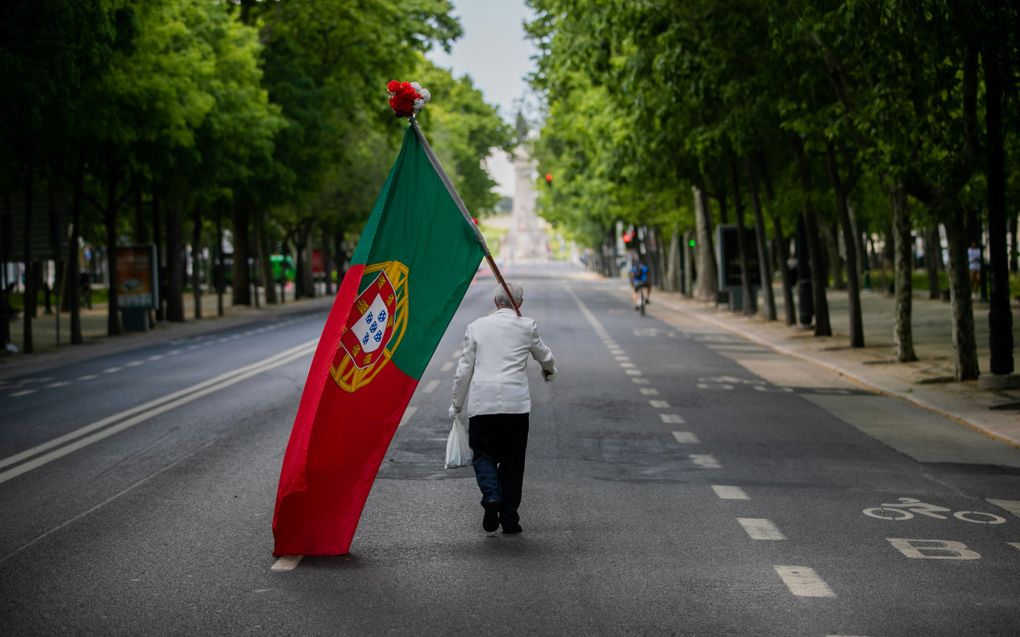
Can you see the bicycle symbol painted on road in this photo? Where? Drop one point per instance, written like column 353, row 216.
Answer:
column 908, row 507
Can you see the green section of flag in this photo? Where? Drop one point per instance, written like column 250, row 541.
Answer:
column 416, row 221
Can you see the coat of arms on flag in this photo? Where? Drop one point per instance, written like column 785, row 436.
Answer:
column 374, row 327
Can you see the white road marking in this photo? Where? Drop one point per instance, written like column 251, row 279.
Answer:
column 407, row 416
column 1013, row 506
column 705, row 461
column 447, row 366
column 87, row 377
column 803, row 581
column 761, row 529
column 633, row 372
column 649, row 391
column 623, row 359
column 686, row 437
column 59, row 383
column 286, row 563
column 175, row 352
column 729, row 493
column 1015, row 545
column 672, row 419
column 640, row 381
column 702, row 386
column 192, row 348
column 134, row 364
column 659, row 404
column 112, row 370
column 128, row 418
column 155, row 357
column 933, row 549
column 627, row 365
column 24, row 392
column 431, row 387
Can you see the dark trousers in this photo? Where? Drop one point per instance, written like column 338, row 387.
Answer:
column 499, row 442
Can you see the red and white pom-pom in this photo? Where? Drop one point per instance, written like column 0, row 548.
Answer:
column 407, row 98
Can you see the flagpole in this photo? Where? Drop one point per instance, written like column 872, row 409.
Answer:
column 463, row 210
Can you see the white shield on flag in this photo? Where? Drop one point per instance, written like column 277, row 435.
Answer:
column 371, row 327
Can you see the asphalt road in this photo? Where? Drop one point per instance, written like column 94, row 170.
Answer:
column 680, row 480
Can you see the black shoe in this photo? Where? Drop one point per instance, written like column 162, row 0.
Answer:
column 490, row 521
column 512, row 529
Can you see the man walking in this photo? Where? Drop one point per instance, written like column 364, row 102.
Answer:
column 491, row 389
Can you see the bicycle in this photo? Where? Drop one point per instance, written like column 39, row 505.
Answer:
column 907, row 507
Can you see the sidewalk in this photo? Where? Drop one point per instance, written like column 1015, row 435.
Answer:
column 96, row 342
column 926, row 383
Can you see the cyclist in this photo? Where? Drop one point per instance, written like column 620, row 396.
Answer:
column 639, row 279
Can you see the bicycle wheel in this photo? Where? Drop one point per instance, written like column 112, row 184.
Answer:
column 642, row 301
column 888, row 514
column 978, row 517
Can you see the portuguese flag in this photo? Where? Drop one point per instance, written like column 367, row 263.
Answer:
column 413, row 264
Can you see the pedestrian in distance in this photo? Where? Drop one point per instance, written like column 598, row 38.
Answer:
column 639, row 279
column 974, row 265
column 491, row 389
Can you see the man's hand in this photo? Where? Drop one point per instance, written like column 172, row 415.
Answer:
column 454, row 412
column 547, row 375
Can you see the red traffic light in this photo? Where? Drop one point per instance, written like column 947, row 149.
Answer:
column 548, row 179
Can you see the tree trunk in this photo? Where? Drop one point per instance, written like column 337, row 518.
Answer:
column 708, row 276
column 112, row 313
column 853, row 283
column 933, row 260
column 241, row 282
column 73, row 270
column 174, row 265
column 218, row 255
column 1014, row 252
column 157, row 238
column 1000, row 318
column 5, row 258
column 196, row 260
column 903, row 267
column 299, row 266
column 327, row 278
column 750, row 300
column 688, row 282
column 264, row 257
column 964, row 341
column 782, row 245
column 818, row 282
column 672, row 283
column 28, row 311
column 764, row 263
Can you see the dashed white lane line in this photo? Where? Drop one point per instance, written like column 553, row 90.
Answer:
column 633, row 372
column 1013, row 506
column 686, row 437
column 640, row 381
column 803, row 581
column 23, row 392
column 431, row 387
column 705, row 461
column 407, row 416
column 621, row 358
column 112, row 370
column 627, row 365
column 286, row 563
column 87, row 377
column 155, row 357
column 659, row 404
column 729, row 493
column 134, row 364
column 174, row 352
column 672, row 419
column 649, row 391
column 761, row 529
column 702, row 386
column 192, row 348
column 59, row 383
column 447, row 366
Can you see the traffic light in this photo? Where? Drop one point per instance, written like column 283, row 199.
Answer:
column 548, row 179
column 628, row 237
column 691, row 243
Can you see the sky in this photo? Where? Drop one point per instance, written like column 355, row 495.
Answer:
column 497, row 56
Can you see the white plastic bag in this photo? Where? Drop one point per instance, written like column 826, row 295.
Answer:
column 458, row 450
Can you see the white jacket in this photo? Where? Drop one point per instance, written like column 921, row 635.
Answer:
column 492, row 371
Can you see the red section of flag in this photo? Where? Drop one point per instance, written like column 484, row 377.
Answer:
column 337, row 444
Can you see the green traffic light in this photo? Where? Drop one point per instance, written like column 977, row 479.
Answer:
column 692, row 243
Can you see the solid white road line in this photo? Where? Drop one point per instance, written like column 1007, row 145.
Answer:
column 24, row 392
column 649, row 391
column 761, row 529
column 659, row 404
column 729, row 493
column 286, row 563
column 705, row 461
column 131, row 417
column 803, row 581
column 407, row 416
column 686, row 437
column 672, row 419
column 447, row 366
column 1013, row 506
column 431, row 386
